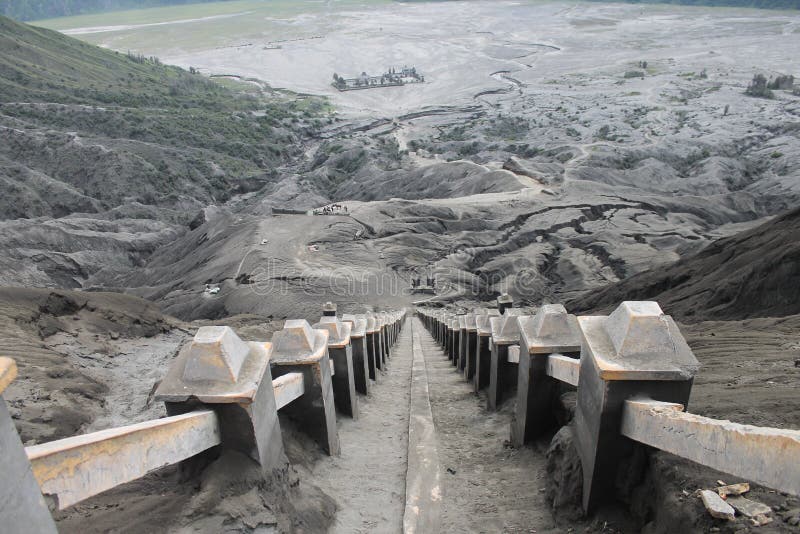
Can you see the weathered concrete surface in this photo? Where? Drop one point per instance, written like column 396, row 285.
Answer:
column 564, row 368
column 340, row 352
column 287, row 388
column 638, row 342
column 550, row 331
column 301, row 349
column 502, row 377
column 597, row 425
column 232, row 377
column 216, row 367
column 22, row 508
column 768, row 456
column 636, row 351
column 361, row 368
column 423, row 480
column 216, row 353
column 73, row 469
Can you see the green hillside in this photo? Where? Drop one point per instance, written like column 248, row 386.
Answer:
column 148, row 133
column 29, row 10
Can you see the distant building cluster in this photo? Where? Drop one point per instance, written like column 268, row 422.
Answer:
column 391, row 77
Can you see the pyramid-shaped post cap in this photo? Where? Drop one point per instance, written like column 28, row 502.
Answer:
column 552, row 329
column 216, row 353
column 483, row 322
column 637, row 342
column 358, row 324
column 339, row 332
column 471, row 324
column 505, row 329
column 296, row 338
column 637, row 328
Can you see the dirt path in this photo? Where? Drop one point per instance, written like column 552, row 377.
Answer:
column 368, row 480
column 487, row 487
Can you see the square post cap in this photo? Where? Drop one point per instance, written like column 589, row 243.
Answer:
column 551, row 330
column 338, row 331
column 215, row 367
column 637, row 342
column 298, row 342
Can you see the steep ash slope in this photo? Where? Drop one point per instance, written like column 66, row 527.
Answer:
column 752, row 274
column 87, row 129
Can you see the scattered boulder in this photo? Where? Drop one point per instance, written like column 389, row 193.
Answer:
column 564, row 486
column 198, row 220
column 716, row 506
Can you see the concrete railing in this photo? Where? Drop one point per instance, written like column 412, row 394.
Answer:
column 633, row 372
column 219, row 393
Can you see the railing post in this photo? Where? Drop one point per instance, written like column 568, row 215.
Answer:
column 358, row 337
column 502, row 373
column 300, row 349
column 232, row 377
column 373, row 348
column 504, row 302
column 461, row 356
column 441, row 322
column 22, row 507
column 454, row 331
column 385, row 335
column 329, row 309
column 483, row 354
column 635, row 351
column 380, row 347
column 471, row 337
column 551, row 330
column 341, row 352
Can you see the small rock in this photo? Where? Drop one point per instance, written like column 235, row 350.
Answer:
column 733, row 489
column 114, row 335
column 760, row 520
column 791, row 515
column 716, row 507
column 451, row 470
column 797, row 362
column 747, row 507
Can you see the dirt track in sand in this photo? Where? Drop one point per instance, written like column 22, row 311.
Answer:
column 368, row 480
column 487, row 486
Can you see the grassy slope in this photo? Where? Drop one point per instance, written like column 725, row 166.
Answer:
column 148, row 132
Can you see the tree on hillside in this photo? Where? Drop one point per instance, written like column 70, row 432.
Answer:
column 758, row 87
